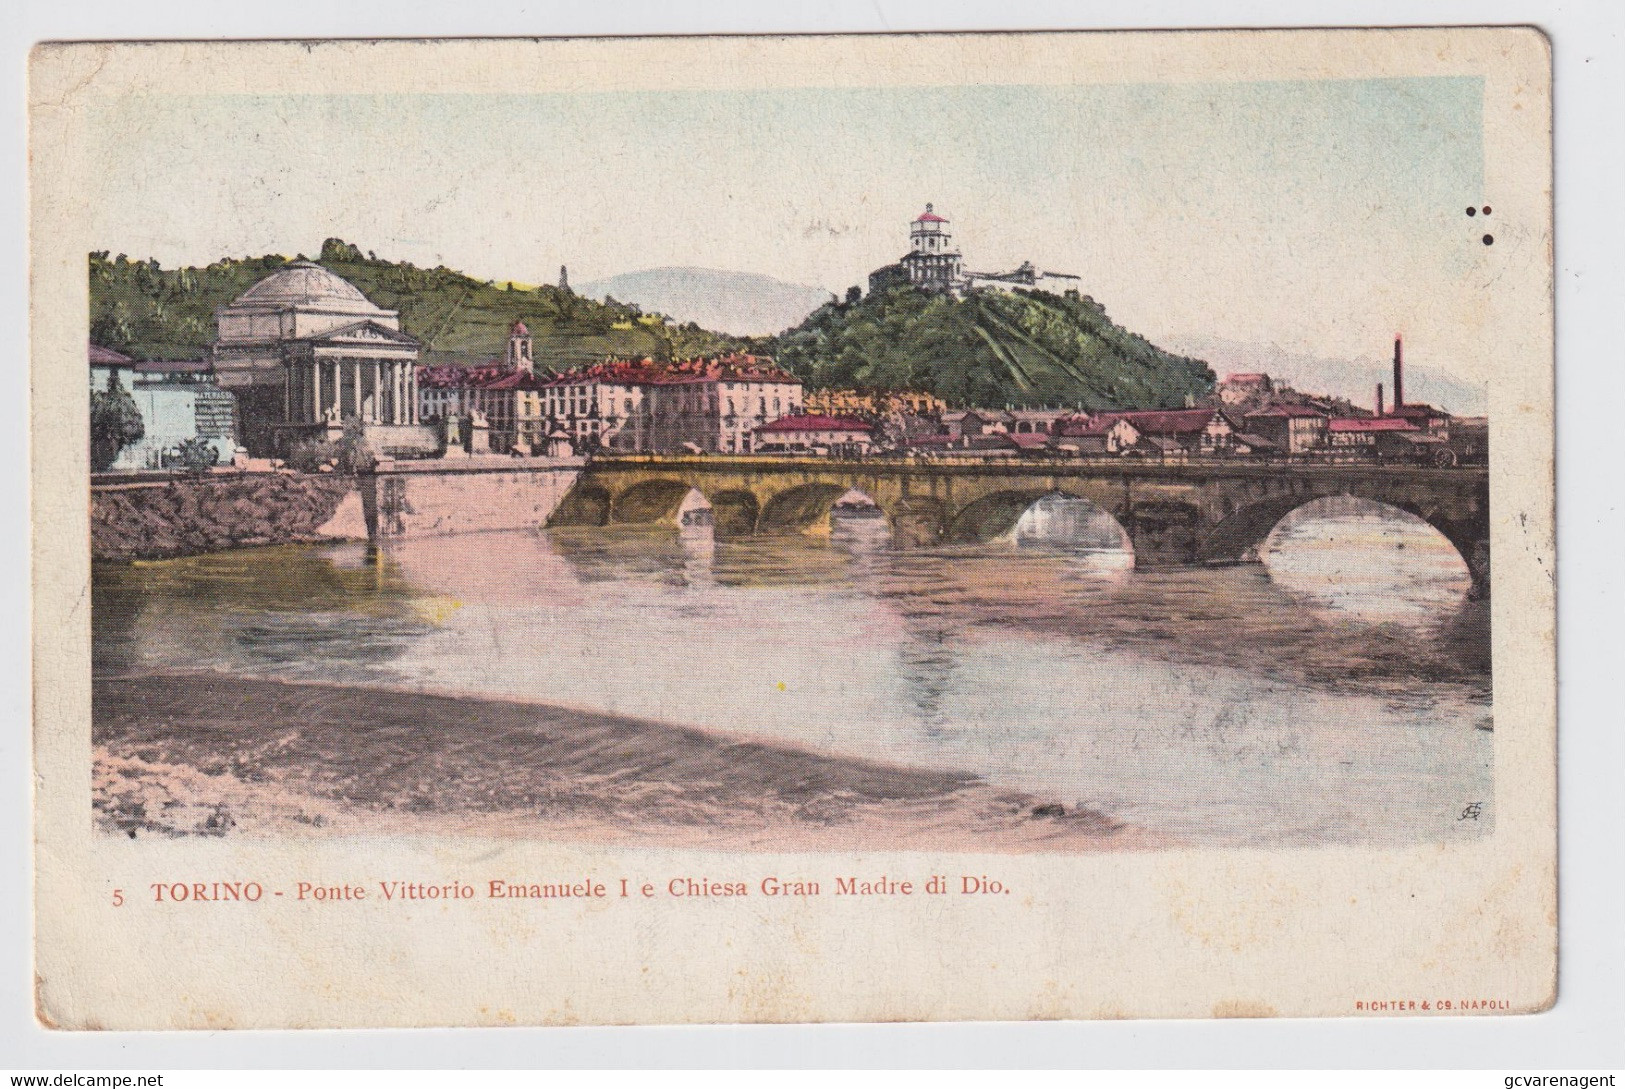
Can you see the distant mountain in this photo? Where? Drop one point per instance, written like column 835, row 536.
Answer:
column 741, row 303
column 1026, row 348
column 149, row 312
column 1355, row 379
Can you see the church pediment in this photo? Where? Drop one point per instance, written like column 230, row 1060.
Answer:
column 367, row 333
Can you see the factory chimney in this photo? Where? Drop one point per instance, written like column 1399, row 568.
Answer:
column 1399, row 374
column 1379, row 398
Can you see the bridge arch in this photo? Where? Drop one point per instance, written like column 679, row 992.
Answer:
column 1000, row 513
column 804, row 508
column 1241, row 534
column 650, row 501
column 585, row 504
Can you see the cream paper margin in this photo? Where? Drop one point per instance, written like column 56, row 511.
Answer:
column 1159, row 934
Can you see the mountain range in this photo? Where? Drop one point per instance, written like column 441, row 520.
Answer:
column 738, row 303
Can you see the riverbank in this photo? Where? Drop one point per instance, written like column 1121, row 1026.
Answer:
column 189, row 516
column 218, row 755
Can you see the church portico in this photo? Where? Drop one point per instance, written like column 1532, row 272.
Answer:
column 305, row 351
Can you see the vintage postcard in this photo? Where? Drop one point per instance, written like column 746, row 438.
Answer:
column 987, row 526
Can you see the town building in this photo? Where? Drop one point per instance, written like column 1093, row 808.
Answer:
column 709, row 405
column 853, row 402
column 1035, row 421
column 108, row 366
column 1084, row 435
column 304, row 350
column 1290, row 428
column 838, row 436
column 179, row 401
column 1198, row 432
column 505, row 397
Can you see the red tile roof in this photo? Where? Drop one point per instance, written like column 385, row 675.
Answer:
column 1183, row 421
column 107, row 357
column 815, row 423
column 1245, row 379
column 733, row 367
column 930, row 217
column 513, row 380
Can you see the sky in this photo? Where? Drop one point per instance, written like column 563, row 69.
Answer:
column 1317, row 217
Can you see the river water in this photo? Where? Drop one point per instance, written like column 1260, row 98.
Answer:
column 1337, row 692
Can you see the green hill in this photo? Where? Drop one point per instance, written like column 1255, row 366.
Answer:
column 148, row 312
column 1027, row 348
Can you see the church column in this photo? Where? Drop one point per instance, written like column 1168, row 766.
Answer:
column 355, row 373
column 397, row 370
column 315, row 390
column 412, row 393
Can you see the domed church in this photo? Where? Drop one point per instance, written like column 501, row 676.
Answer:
column 304, row 350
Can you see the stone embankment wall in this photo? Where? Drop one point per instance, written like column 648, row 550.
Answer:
column 185, row 516
column 468, row 495
column 133, row 519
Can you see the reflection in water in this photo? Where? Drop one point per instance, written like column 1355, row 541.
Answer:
column 1290, row 704
column 1368, row 559
column 1064, row 521
column 695, row 511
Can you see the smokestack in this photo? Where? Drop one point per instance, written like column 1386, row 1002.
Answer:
column 1379, row 398
column 1399, row 374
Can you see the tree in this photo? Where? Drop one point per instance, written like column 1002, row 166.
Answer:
column 115, row 422
column 196, row 455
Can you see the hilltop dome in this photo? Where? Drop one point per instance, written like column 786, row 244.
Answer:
column 305, row 283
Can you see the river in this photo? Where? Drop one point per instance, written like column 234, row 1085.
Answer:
column 1336, row 693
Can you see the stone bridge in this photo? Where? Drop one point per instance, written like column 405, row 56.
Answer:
column 1188, row 512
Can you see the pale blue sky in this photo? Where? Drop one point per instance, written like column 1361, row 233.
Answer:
column 1320, row 216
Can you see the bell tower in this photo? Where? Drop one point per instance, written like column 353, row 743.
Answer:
column 932, row 262
column 929, row 234
column 519, row 350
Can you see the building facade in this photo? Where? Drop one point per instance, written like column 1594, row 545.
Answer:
column 837, row 436
column 505, row 396
column 1293, row 429
column 304, row 350
column 179, row 401
column 711, row 406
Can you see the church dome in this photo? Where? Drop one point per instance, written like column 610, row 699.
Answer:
column 305, row 283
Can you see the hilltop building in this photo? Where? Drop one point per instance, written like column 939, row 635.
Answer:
column 933, row 263
column 304, row 350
